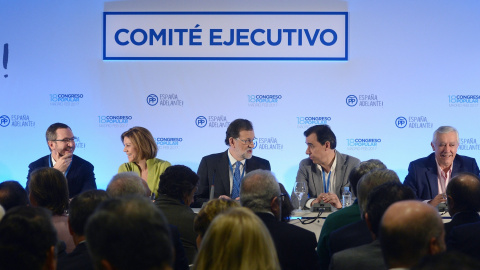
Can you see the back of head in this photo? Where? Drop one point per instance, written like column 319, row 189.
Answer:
column 237, row 240
column 48, row 188
column 178, row 181
column 371, row 180
column 125, row 184
column 82, row 207
column 324, row 133
column 129, row 233
column 257, row 190
column 381, row 197
column 12, row 194
column 27, row 238
column 361, row 169
column 209, row 212
column 447, row 261
column 235, row 127
column 464, row 190
column 143, row 141
column 409, row 231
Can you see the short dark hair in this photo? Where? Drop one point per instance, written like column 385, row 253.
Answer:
column 82, row 207
column 129, row 224
column 12, row 194
column 371, row 180
column 26, row 235
column 51, row 133
column 235, row 127
column 48, row 187
column 466, row 196
column 381, row 197
column 177, row 181
column 361, row 169
column 324, row 133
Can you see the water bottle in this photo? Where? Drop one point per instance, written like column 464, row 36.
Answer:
column 346, row 197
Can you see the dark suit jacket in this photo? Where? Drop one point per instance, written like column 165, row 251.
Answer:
column 349, row 236
column 368, row 256
column 465, row 239
column 214, row 170
column 80, row 177
column 295, row 246
column 460, row 218
column 423, row 177
column 77, row 259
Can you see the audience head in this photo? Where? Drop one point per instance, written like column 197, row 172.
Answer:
column 287, row 206
column 12, row 194
column 126, row 183
column 142, row 144
column 324, row 134
column 260, row 192
column 82, row 207
column 237, row 125
column 2, row 212
column 463, row 193
column 48, row 188
column 380, row 198
column 237, row 240
column 371, row 180
column 179, row 182
column 409, row 231
column 27, row 239
column 447, row 261
column 361, row 169
column 212, row 209
column 129, row 233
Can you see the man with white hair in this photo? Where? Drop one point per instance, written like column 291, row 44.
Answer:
column 429, row 176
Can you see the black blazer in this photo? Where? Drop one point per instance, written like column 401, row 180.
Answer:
column 460, row 218
column 214, row 169
column 80, row 177
column 77, row 259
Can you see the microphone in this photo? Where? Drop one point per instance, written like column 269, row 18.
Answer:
column 212, row 187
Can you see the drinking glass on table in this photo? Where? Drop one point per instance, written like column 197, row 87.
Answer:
column 300, row 189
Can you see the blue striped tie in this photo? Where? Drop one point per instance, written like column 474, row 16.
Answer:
column 236, row 181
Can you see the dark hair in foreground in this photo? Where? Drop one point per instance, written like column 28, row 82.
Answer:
column 324, row 133
column 177, row 181
column 235, row 127
column 446, row 261
column 82, row 207
column 26, row 237
column 48, row 187
column 362, row 169
column 464, row 189
column 12, row 194
column 130, row 233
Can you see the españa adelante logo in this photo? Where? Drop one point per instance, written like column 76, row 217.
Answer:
column 212, row 121
column 168, row 143
column 166, row 100
column 307, row 121
column 468, row 144
column 364, row 144
column 367, row 100
column 114, row 120
column 263, row 100
column 463, row 100
column 79, row 143
column 271, row 143
column 413, row 122
column 65, row 99
column 16, row 120
column 4, row 121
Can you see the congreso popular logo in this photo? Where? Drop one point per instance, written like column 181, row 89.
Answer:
column 219, row 121
column 164, row 100
column 308, row 121
column 463, row 100
column 168, row 143
column 363, row 144
column 114, row 121
column 65, row 99
column 16, row 121
column 263, row 100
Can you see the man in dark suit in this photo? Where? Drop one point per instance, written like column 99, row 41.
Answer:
column 463, row 200
column 79, row 172
column 295, row 246
column 224, row 171
column 429, row 176
column 465, row 239
column 81, row 208
column 369, row 256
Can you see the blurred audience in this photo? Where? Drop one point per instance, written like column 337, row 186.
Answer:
column 126, row 183
column 12, row 194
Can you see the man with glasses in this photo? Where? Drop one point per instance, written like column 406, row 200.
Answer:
column 220, row 174
column 79, row 172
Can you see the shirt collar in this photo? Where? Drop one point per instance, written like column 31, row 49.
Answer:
column 232, row 160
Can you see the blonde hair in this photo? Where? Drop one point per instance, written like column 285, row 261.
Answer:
column 143, row 141
column 237, row 240
column 212, row 209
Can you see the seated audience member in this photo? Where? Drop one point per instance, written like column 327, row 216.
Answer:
column 175, row 193
column 465, row 239
column 141, row 151
column 212, row 209
column 287, row 205
column 463, row 200
column 409, row 231
column 447, row 261
column 129, row 233
column 48, row 189
column 237, row 240
column 126, row 183
column 369, row 256
column 295, row 246
column 82, row 207
column 12, row 194
column 27, row 239
column 347, row 215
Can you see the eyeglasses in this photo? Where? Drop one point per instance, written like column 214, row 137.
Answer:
column 66, row 140
column 247, row 142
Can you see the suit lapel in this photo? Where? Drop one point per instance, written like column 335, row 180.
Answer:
column 432, row 176
column 223, row 175
column 457, row 165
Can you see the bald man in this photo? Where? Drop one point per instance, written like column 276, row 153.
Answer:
column 409, row 231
